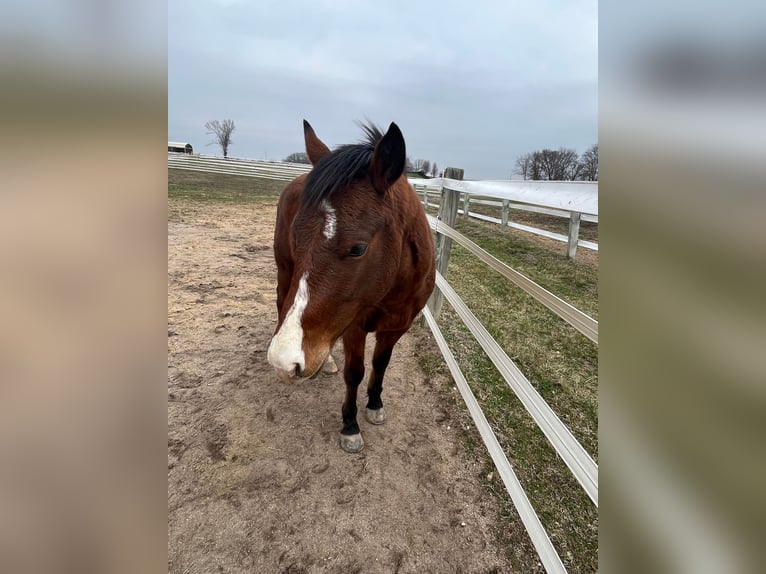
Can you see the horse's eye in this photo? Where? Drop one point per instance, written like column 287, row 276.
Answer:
column 358, row 250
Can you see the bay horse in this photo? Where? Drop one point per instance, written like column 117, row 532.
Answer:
column 354, row 255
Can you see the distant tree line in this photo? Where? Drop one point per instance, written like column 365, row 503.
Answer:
column 298, row 157
column 561, row 164
column 422, row 167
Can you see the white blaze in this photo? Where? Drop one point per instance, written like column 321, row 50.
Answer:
column 330, row 220
column 286, row 348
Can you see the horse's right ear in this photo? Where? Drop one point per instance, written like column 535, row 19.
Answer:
column 315, row 149
column 388, row 159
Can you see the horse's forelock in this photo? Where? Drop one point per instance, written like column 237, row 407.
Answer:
column 341, row 167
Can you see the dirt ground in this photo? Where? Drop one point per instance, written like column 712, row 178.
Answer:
column 256, row 479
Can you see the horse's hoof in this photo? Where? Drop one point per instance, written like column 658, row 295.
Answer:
column 351, row 442
column 329, row 366
column 375, row 416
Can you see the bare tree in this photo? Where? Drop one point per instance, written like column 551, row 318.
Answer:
column 589, row 164
column 298, row 157
column 523, row 166
column 561, row 164
column 421, row 166
column 558, row 165
column 222, row 132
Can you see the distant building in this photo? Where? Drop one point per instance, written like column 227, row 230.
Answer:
column 180, row 147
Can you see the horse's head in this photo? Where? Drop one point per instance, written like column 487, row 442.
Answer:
column 345, row 245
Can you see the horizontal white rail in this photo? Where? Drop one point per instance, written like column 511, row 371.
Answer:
column 228, row 172
column 564, row 443
column 579, row 320
column 542, row 543
column 435, row 192
column 530, row 208
column 233, row 166
column 542, row 232
column 577, row 196
column 427, row 190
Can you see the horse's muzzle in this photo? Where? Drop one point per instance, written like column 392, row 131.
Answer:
column 298, row 373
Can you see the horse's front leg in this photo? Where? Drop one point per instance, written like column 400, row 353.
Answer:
column 353, row 373
column 384, row 346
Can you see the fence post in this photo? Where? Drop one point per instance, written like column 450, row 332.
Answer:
column 504, row 217
column 447, row 213
column 574, row 233
column 425, row 197
column 466, row 203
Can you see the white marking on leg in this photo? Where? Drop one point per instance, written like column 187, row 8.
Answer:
column 286, row 348
column 330, row 220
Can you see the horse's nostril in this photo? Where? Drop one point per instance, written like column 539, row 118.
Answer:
column 297, row 371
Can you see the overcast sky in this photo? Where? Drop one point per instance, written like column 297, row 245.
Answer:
column 471, row 84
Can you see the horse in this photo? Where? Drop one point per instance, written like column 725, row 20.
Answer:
column 354, row 255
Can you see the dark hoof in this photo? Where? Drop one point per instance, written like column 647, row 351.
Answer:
column 375, row 416
column 351, row 442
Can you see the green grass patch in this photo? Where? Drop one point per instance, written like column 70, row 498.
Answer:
column 196, row 186
column 567, row 514
column 574, row 281
column 560, row 363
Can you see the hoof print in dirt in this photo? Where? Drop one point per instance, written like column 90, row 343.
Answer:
column 351, row 442
column 375, row 416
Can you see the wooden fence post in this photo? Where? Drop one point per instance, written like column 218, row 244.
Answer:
column 425, row 198
column 574, row 233
column 466, row 204
column 447, row 213
column 504, row 216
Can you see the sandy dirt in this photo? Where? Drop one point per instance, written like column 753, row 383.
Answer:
column 256, row 479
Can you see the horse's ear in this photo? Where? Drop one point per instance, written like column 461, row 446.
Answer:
column 388, row 159
column 315, row 149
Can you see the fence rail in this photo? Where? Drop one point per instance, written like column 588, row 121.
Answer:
column 579, row 462
column 568, row 196
column 428, row 188
column 232, row 166
column 579, row 320
column 542, row 543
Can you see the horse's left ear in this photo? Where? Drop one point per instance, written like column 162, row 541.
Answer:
column 315, row 147
column 388, row 159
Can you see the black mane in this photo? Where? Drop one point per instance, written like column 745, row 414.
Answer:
column 341, row 166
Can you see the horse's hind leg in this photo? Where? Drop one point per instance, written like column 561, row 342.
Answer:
column 353, row 373
column 384, row 346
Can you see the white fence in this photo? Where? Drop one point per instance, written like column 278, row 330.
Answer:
column 231, row 166
column 573, row 200
column 580, row 463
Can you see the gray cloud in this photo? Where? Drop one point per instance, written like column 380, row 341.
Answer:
column 469, row 88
